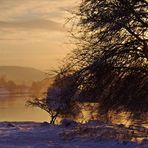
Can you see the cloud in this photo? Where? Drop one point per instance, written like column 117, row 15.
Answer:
column 13, row 9
column 19, row 16
column 9, row 39
column 35, row 24
column 31, row 32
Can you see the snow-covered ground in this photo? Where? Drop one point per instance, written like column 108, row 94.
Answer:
column 94, row 134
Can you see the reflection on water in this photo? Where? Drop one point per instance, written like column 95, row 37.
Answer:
column 13, row 108
column 127, row 119
column 121, row 118
column 90, row 112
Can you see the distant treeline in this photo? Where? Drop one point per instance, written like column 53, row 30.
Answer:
column 11, row 87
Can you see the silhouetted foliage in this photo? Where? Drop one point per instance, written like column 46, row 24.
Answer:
column 57, row 103
column 42, row 104
column 110, row 62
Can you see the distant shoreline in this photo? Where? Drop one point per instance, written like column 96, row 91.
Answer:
column 19, row 94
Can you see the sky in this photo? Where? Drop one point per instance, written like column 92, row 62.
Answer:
column 32, row 32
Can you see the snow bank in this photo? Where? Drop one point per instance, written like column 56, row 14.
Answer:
column 93, row 134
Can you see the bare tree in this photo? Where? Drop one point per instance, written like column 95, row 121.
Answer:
column 110, row 62
column 42, row 104
column 57, row 103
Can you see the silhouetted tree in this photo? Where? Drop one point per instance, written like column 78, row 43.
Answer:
column 42, row 104
column 110, row 62
column 57, row 102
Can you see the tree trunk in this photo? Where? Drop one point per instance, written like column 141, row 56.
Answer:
column 53, row 118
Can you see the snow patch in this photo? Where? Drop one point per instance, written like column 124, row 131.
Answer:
column 93, row 134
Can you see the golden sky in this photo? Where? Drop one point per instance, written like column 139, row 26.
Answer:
column 32, row 32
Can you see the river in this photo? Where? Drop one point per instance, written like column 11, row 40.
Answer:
column 13, row 108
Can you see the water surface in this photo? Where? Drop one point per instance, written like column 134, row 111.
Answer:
column 13, row 108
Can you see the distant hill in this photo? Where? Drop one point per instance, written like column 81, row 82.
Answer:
column 21, row 75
